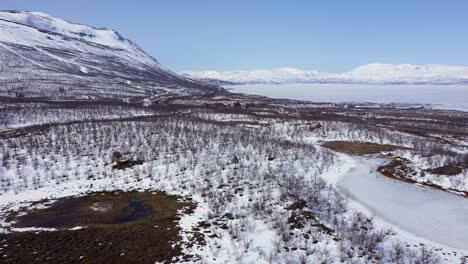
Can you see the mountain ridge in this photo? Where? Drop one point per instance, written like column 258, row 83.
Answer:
column 373, row 73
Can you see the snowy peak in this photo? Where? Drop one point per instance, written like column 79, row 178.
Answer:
column 44, row 22
column 408, row 73
column 256, row 76
column 370, row 73
column 39, row 30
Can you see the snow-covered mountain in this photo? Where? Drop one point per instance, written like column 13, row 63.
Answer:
column 375, row 73
column 41, row 55
column 407, row 73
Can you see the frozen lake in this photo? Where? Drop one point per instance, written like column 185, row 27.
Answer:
column 441, row 96
column 431, row 214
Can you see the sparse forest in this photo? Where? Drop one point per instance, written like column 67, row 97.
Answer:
column 107, row 156
column 252, row 173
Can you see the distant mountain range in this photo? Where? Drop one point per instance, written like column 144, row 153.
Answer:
column 374, row 73
column 44, row 56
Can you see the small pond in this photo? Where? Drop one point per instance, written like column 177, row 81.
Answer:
column 105, row 208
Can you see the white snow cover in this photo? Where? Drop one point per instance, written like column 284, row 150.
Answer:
column 369, row 73
column 46, row 22
column 272, row 75
column 39, row 30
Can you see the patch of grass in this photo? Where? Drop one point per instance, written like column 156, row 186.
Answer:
column 448, row 170
column 359, row 148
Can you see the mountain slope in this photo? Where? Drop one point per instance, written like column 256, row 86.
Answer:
column 45, row 56
column 370, row 73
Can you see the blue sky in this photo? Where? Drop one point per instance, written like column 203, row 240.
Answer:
column 327, row 35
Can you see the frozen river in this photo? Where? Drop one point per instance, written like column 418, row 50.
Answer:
column 431, row 214
column 440, row 96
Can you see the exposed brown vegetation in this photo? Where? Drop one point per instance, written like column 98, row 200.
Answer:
column 121, row 165
column 449, row 170
column 117, row 231
column 359, row 148
column 397, row 168
column 400, row 169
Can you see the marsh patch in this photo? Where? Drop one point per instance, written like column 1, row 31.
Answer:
column 120, row 227
column 359, row 148
column 92, row 209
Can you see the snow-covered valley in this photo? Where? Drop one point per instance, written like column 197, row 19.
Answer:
column 264, row 187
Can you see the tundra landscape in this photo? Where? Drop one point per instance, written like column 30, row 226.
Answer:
column 108, row 156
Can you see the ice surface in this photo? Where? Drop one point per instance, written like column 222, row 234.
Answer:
column 428, row 213
column 439, row 96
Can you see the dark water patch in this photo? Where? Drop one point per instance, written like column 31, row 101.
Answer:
column 135, row 210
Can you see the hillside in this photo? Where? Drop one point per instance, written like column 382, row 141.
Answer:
column 46, row 56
